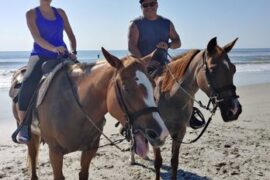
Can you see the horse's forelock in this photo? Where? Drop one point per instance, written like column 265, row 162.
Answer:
column 220, row 56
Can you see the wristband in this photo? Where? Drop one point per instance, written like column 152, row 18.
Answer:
column 74, row 52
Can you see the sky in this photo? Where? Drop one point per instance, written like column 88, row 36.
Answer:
column 105, row 22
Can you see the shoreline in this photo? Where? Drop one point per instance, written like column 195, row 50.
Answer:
column 235, row 150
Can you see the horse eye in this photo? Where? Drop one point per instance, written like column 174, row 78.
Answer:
column 125, row 87
column 136, row 79
column 213, row 71
column 233, row 69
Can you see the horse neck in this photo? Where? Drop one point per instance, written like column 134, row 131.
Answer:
column 92, row 87
column 187, row 80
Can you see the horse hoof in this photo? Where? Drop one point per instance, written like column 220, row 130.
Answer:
column 146, row 158
column 132, row 162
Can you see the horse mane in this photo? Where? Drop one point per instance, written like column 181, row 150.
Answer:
column 178, row 67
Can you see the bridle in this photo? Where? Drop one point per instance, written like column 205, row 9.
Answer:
column 215, row 95
column 130, row 116
column 215, row 99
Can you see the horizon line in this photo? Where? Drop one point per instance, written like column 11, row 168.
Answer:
column 127, row 49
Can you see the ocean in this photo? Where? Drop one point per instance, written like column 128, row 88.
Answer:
column 253, row 65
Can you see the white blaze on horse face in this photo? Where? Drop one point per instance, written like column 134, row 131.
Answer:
column 142, row 79
column 235, row 107
column 226, row 64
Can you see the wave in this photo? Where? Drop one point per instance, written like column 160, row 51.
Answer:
column 246, row 60
column 239, row 62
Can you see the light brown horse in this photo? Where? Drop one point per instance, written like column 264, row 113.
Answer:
column 91, row 91
column 209, row 70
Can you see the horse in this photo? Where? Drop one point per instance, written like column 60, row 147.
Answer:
column 71, row 115
column 209, row 70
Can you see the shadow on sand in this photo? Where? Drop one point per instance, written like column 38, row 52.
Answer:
column 181, row 175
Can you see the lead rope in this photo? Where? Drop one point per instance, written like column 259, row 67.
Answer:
column 202, row 132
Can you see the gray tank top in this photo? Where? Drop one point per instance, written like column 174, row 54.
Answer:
column 151, row 33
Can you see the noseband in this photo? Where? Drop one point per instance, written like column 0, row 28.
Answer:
column 215, row 96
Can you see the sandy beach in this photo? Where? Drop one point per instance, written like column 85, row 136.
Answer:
column 235, row 150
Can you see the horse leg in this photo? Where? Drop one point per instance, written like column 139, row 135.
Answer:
column 86, row 158
column 175, row 153
column 57, row 163
column 33, row 149
column 132, row 157
column 158, row 162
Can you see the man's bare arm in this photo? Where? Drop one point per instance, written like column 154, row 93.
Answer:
column 175, row 39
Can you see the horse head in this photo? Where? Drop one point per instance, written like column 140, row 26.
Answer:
column 131, row 101
column 216, row 79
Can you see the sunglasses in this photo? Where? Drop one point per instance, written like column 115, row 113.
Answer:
column 151, row 4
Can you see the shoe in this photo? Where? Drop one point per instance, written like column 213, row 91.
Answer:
column 194, row 122
column 23, row 135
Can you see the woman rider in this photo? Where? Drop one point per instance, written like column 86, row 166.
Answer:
column 46, row 25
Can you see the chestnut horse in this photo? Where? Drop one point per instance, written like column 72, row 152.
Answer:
column 78, row 98
column 209, row 70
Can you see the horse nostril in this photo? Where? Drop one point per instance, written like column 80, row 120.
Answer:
column 151, row 134
column 229, row 113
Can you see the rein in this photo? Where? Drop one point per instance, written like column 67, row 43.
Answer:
column 213, row 99
column 187, row 93
column 130, row 117
column 112, row 143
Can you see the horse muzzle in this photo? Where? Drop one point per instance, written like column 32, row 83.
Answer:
column 230, row 110
column 154, row 129
column 141, row 139
column 154, row 139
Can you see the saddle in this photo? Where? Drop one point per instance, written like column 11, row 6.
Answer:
column 49, row 69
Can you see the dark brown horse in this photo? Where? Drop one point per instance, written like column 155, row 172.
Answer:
column 82, row 95
column 209, row 70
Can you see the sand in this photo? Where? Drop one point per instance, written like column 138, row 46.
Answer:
column 235, row 150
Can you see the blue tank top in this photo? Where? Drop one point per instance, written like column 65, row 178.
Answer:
column 51, row 31
column 151, row 32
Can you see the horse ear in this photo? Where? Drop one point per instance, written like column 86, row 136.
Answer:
column 229, row 46
column 114, row 61
column 212, row 44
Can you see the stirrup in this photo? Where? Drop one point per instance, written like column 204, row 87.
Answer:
column 23, row 138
